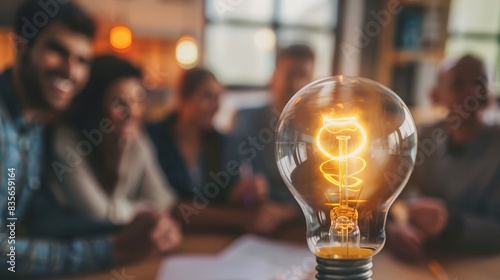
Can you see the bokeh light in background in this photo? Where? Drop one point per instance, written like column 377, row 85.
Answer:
column 120, row 37
column 186, row 52
column 264, row 39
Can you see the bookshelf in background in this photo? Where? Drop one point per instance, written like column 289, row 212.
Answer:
column 414, row 36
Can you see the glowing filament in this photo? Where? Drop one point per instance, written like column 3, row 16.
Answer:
column 342, row 130
column 341, row 140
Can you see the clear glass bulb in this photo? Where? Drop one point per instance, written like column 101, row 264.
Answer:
column 345, row 146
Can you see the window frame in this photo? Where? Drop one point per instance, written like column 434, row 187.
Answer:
column 275, row 25
column 469, row 35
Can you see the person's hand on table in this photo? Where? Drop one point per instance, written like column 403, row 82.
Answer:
column 151, row 232
column 132, row 242
column 250, row 190
column 269, row 216
column 166, row 235
column 405, row 242
column 429, row 215
column 415, row 223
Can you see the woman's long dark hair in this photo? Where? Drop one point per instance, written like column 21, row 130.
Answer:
column 192, row 80
column 88, row 109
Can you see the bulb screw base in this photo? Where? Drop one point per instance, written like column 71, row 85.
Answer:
column 335, row 269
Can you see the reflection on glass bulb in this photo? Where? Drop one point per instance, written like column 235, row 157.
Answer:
column 345, row 147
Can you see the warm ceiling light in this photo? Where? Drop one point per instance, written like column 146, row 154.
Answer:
column 120, row 37
column 186, row 52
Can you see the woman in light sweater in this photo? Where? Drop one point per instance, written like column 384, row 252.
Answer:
column 113, row 174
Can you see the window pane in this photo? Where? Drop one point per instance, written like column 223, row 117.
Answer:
column 484, row 49
column 322, row 43
column 478, row 16
column 240, row 55
column 247, row 10
column 320, row 13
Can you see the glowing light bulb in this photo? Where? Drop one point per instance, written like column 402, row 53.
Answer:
column 120, row 37
column 345, row 147
column 186, row 52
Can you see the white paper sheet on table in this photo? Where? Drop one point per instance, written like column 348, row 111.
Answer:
column 213, row 268
column 287, row 261
column 247, row 258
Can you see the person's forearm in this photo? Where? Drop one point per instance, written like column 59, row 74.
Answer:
column 475, row 235
column 39, row 258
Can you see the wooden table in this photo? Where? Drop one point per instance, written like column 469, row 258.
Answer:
column 147, row 269
column 386, row 266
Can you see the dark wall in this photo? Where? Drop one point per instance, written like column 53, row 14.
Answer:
column 8, row 10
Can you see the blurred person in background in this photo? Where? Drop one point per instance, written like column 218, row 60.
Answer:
column 115, row 178
column 203, row 168
column 453, row 197
column 294, row 69
column 120, row 177
column 51, row 66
